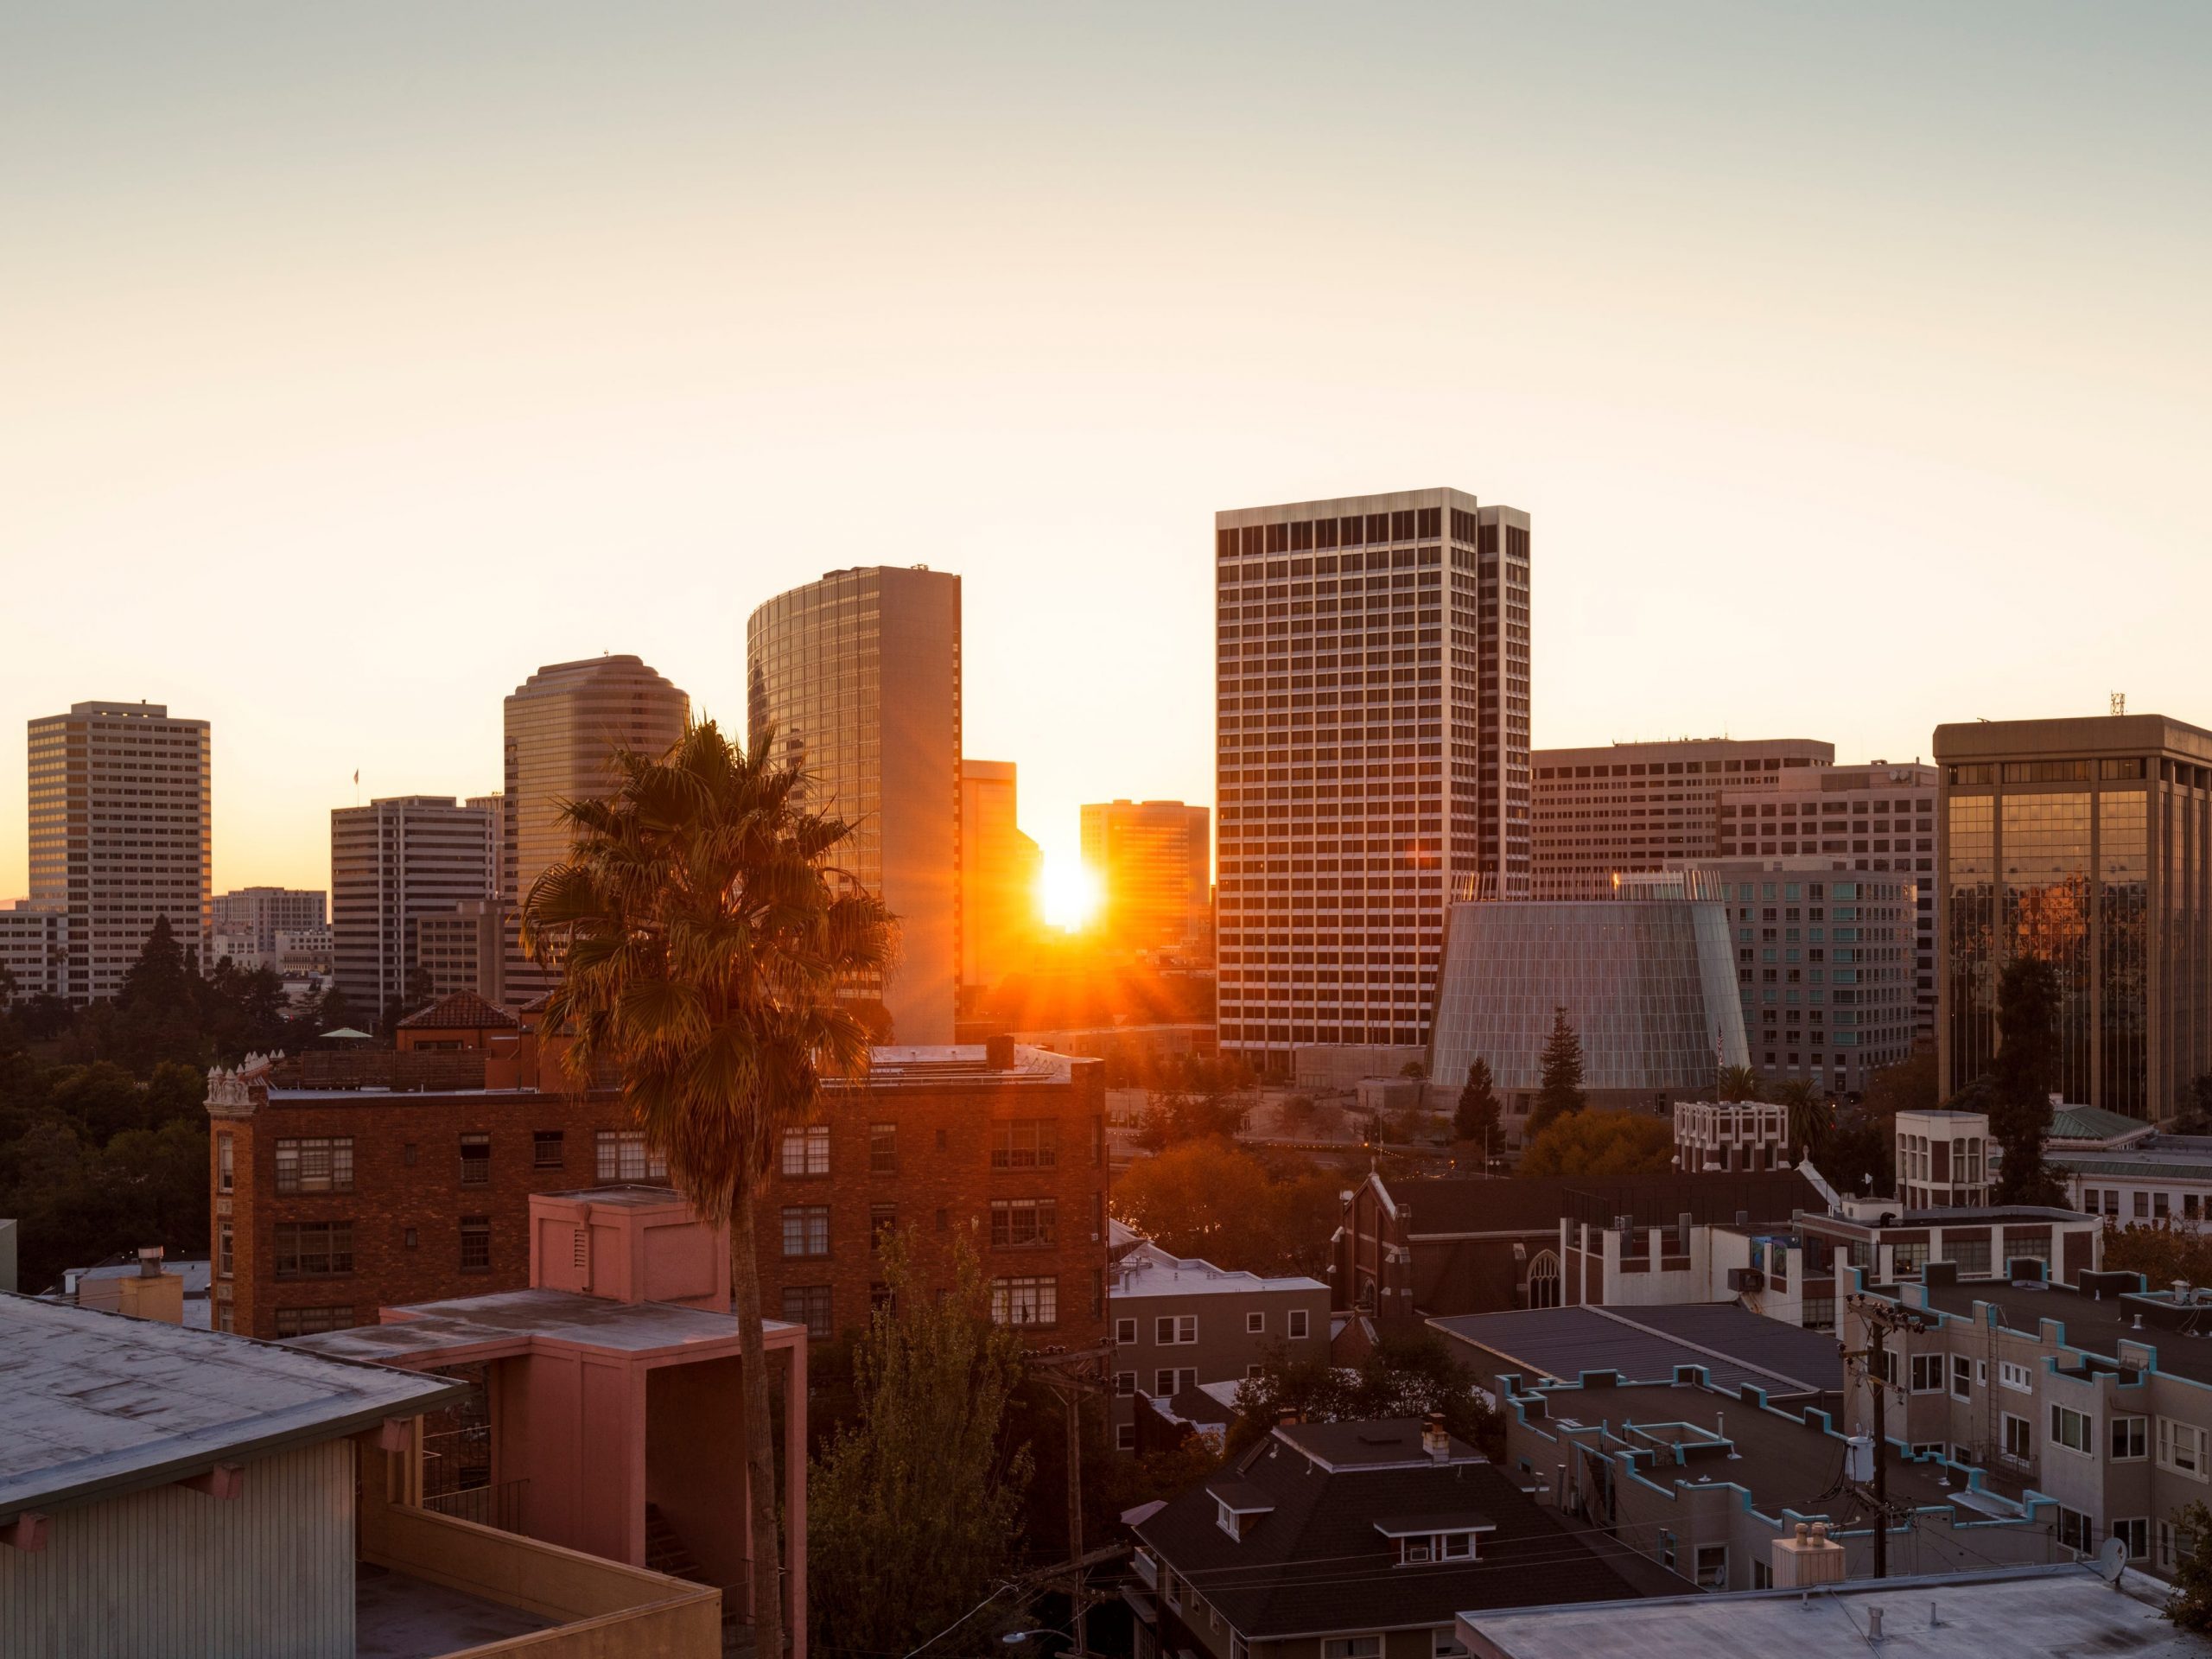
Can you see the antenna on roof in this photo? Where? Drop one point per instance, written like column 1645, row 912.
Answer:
column 2119, row 703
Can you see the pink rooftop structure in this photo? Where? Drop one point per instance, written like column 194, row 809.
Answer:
column 613, row 1390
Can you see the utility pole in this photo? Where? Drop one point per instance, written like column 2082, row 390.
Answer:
column 1879, row 1320
column 1071, row 1374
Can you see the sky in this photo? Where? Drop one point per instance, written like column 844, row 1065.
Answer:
column 1851, row 361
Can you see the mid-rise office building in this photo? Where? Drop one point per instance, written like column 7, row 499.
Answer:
column 463, row 949
column 1000, row 868
column 857, row 677
column 2082, row 841
column 393, row 863
column 35, row 950
column 1625, row 808
column 1371, row 756
column 564, row 725
column 119, row 837
column 257, row 915
column 1154, row 862
column 1879, row 818
column 1826, row 961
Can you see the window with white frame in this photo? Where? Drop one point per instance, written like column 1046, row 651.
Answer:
column 1125, row 1333
column 2075, row 1431
column 2074, row 1531
column 1255, row 1325
column 1163, row 1383
column 2137, row 1531
column 1298, row 1323
column 806, row 1150
column 1028, row 1299
column 2176, row 1544
column 2016, row 1377
column 2131, row 1438
column 2017, row 1441
column 1927, row 1373
column 1125, row 1437
column 1173, row 1330
column 1928, row 1448
column 620, row 1155
column 2181, row 1448
column 1713, row 1567
column 1125, row 1382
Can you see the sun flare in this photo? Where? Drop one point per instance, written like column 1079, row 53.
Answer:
column 1068, row 892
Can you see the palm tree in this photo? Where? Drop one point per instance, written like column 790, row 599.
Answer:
column 1738, row 1083
column 1808, row 1115
column 702, row 937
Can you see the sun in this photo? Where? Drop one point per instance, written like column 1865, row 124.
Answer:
column 1068, row 892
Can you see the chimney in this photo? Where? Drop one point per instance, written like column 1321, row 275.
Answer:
column 150, row 1293
column 1874, row 1624
column 1433, row 1440
column 1810, row 1558
column 149, row 1261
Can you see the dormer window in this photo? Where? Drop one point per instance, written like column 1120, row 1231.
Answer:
column 1237, row 1506
column 1425, row 1540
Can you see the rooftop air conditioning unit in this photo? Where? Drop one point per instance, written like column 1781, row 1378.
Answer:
column 1743, row 1279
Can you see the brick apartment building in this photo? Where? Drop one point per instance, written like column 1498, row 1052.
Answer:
column 348, row 1182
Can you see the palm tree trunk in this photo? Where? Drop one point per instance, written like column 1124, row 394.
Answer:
column 759, row 1433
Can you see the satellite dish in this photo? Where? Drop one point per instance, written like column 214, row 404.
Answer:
column 2112, row 1559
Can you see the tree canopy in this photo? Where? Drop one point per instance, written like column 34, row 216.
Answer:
column 2021, row 1081
column 1602, row 1143
column 1214, row 1199
column 1405, row 1376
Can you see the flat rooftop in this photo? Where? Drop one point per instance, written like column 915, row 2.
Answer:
column 2092, row 1324
column 1645, row 1344
column 397, row 1616
column 941, row 1064
column 1148, row 1270
column 434, row 1328
column 1783, row 1462
column 99, row 1403
column 2003, row 1614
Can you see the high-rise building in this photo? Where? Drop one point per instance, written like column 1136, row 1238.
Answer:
column 564, row 725
column 857, row 676
column 119, row 839
column 393, row 862
column 1372, row 756
column 1153, row 863
column 1624, row 809
column 998, row 871
column 255, row 916
column 34, row 952
column 2082, row 841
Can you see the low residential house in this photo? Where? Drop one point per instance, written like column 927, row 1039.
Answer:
column 1180, row 1322
column 1706, row 1480
column 2125, row 1171
column 1358, row 1540
column 606, row 1401
column 1512, row 1353
column 1407, row 1250
column 168, row 1490
column 1990, row 1613
column 2096, row 1396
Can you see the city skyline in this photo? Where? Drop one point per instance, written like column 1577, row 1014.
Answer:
column 1788, row 339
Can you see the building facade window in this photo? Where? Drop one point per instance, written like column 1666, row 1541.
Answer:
column 1023, row 1223
column 1024, row 1143
column 315, row 1164
column 809, row 1304
column 2181, row 1448
column 2074, row 1430
column 1298, row 1319
column 883, row 1148
column 2131, row 1438
column 476, row 1244
column 620, row 1155
column 225, row 1257
column 547, row 1149
column 314, row 1249
column 476, row 1160
column 225, row 1172
column 882, row 1222
column 1173, row 1330
column 2136, row 1531
column 806, row 1230
column 806, row 1151
column 313, row 1321
column 1030, row 1299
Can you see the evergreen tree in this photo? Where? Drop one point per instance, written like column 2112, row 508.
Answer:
column 2191, row 1604
column 2022, row 1080
column 1561, row 1089
column 1476, row 1117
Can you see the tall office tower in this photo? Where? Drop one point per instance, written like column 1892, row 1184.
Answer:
column 563, row 726
column 1630, row 808
column 1372, row 757
column 255, row 916
column 858, row 676
column 392, row 863
column 2082, row 841
column 119, row 834
column 998, row 871
column 1153, row 861
column 494, row 809
column 1877, row 818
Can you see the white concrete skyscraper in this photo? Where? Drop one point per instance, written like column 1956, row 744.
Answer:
column 120, row 838
column 1371, row 757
